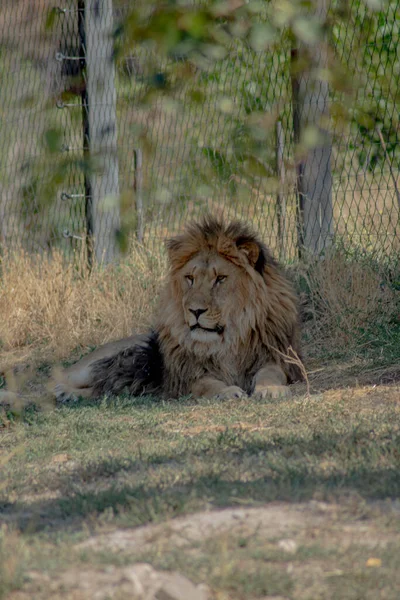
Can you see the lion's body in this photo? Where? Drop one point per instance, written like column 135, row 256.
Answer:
column 226, row 319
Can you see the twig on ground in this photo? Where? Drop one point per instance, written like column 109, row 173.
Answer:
column 292, row 358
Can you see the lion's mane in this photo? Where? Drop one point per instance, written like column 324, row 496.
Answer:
column 267, row 323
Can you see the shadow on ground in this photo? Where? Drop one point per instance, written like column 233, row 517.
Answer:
column 238, row 469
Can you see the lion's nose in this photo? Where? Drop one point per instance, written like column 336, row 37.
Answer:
column 198, row 311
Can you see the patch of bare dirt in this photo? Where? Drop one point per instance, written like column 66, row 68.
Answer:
column 276, row 521
column 135, row 582
column 288, row 526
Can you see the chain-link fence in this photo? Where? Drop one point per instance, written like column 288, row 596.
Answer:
column 69, row 147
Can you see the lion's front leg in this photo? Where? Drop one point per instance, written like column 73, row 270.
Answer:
column 271, row 382
column 209, row 387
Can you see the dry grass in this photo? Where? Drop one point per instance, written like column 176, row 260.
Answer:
column 123, row 463
column 50, row 307
column 54, row 310
column 352, row 320
column 348, row 294
column 13, row 554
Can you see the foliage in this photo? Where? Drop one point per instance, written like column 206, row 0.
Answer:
column 374, row 57
column 205, row 83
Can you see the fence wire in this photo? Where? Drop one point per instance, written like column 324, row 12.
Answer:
column 184, row 153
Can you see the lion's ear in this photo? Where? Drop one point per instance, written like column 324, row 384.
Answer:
column 179, row 251
column 173, row 245
column 251, row 249
column 174, row 249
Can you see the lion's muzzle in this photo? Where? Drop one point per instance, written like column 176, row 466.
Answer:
column 202, row 322
column 217, row 329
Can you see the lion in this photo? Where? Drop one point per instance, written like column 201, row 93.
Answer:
column 226, row 320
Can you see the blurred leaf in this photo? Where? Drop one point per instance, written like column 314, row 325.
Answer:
column 163, row 195
column 195, row 23
column 255, row 167
column 27, row 101
column 225, row 8
column 219, row 162
column 375, row 4
column 312, row 137
column 50, row 18
column 307, row 29
column 53, row 140
column 158, row 80
column 204, row 190
column 109, row 202
column 170, row 105
column 122, row 238
column 214, row 51
column 197, row 96
column 262, row 36
column 255, row 6
column 226, row 105
column 283, row 12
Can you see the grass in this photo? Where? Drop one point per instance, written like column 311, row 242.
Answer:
column 121, row 463
column 52, row 307
column 55, row 309
column 12, row 561
column 328, row 463
column 351, row 309
column 173, row 442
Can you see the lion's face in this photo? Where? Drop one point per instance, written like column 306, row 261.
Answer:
column 223, row 286
column 212, row 294
column 225, row 308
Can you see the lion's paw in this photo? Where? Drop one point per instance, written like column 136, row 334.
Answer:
column 63, row 394
column 272, row 392
column 230, row 393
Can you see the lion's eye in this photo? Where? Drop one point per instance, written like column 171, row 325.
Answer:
column 220, row 279
column 189, row 279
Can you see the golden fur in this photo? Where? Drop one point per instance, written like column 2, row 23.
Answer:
column 227, row 316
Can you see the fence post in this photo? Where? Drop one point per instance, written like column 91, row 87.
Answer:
column 314, row 177
column 100, row 130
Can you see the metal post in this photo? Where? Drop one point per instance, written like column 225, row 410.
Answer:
column 85, row 132
column 100, row 129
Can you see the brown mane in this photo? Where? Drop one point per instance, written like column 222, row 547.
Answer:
column 244, row 354
column 212, row 234
column 275, row 314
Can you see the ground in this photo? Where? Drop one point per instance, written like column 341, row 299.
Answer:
column 288, row 499
column 253, row 500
